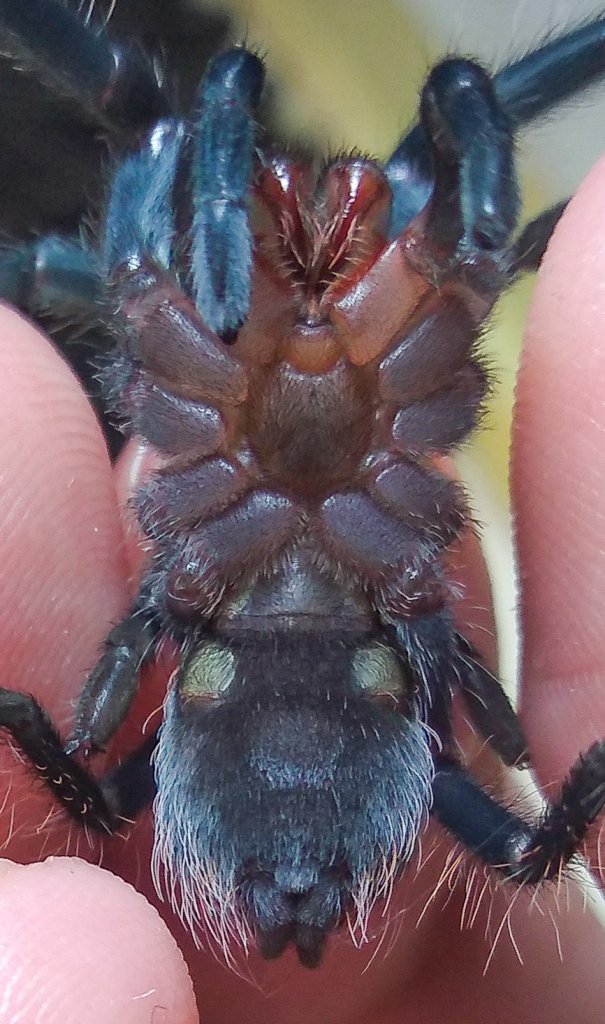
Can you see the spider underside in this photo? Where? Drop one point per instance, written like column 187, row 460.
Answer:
column 300, row 348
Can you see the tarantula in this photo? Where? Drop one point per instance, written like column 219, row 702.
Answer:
column 299, row 347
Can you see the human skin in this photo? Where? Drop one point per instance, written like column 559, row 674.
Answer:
column 73, row 939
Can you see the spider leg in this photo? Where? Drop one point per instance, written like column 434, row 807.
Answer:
column 461, row 159
column 130, row 787
column 223, row 149
column 530, row 246
column 409, row 172
column 68, row 781
column 58, row 282
column 141, row 218
column 52, row 275
column 475, row 201
column 110, row 84
column 527, row 89
column 530, row 87
column 99, row 803
column 522, row 852
column 491, row 711
column 441, row 660
column 102, row 706
column 425, row 644
column 113, row 682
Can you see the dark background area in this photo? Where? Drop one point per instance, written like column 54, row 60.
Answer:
column 53, row 158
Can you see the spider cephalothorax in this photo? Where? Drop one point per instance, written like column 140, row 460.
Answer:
column 299, row 348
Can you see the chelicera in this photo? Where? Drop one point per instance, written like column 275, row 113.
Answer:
column 300, row 348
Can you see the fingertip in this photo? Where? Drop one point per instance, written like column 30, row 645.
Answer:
column 60, row 544
column 558, row 481
column 78, row 944
column 137, row 462
column 63, row 578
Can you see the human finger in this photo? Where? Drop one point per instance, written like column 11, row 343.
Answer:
column 558, row 477
column 79, row 944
